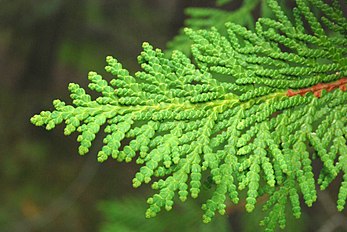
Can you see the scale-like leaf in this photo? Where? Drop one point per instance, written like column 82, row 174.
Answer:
column 247, row 114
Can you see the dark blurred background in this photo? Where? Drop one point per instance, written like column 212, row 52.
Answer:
column 44, row 45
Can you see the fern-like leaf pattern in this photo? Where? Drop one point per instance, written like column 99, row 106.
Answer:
column 246, row 114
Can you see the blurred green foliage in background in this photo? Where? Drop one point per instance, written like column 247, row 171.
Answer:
column 43, row 46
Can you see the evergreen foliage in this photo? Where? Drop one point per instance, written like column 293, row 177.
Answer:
column 126, row 214
column 251, row 114
column 205, row 18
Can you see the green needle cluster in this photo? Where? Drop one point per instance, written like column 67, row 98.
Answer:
column 227, row 116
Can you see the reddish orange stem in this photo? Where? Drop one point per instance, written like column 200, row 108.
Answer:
column 318, row 88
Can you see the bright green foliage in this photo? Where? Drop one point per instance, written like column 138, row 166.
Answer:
column 126, row 215
column 228, row 118
column 205, row 18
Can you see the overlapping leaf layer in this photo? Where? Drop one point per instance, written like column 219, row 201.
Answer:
column 230, row 117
